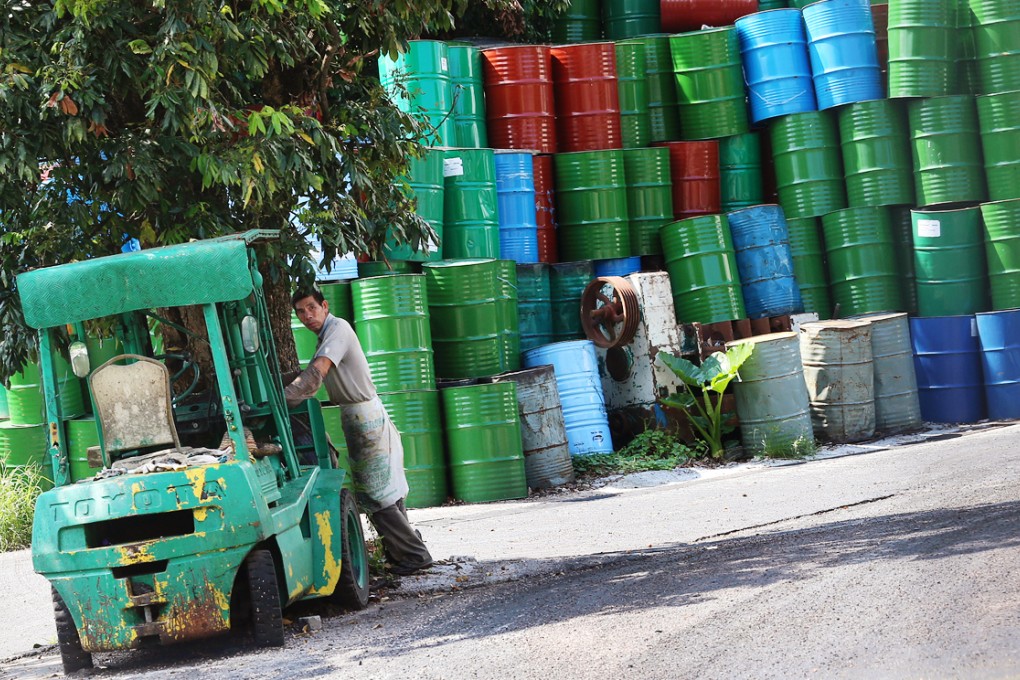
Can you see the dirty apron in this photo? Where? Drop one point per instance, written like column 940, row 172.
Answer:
column 376, row 454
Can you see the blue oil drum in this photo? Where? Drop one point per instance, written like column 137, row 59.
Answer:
column 773, row 49
column 515, row 198
column 844, row 58
column 765, row 262
column 947, row 359
column 999, row 337
column 620, row 266
column 577, row 380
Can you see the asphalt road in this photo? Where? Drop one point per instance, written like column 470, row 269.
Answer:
column 896, row 564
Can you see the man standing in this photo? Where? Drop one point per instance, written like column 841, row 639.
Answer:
column 377, row 456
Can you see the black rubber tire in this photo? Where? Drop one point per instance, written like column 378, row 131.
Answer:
column 264, row 598
column 352, row 590
column 72, row 656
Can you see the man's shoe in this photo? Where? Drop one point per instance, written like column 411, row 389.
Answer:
column 407, row 569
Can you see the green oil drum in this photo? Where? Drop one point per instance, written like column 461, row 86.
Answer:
column 764, row 5
column 470, row 214
column 581, row 22
column 740, row 172
column 81, row 434
column 391, row 318
column 966, row 55
column 464, row 318
column 102, row 350
column 899, row 217
column 949, row 262
column 1002, row 248
column 809, row 264
column 649, row 197
column 333, row 421
column 630, row 18
column 426, row 184
column 632, row 85
column 372, row 268
column 534, row 305
column 506, row 304
column 806, row 155
column 862, row 266
column 772, row 399
column 876, row 154
column 468, row 96
column 338, row 297
column 25, row 446
column 922, row 48
column 416, row 416
column 660, row 82
column 839, row 371
column 591, row 205
column 997, row 44
column 946, row 151
column 483, row 438
column 710, row 83
column 4, row 412
column 702, row 270
column 567, row 281
column 1000, row 140
column 424, row 71
column 25, row 402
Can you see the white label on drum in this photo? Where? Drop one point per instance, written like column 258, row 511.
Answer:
column 453, row 167
column 444, row 64
column 929, row 228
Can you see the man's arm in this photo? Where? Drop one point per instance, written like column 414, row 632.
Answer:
column 308, row 382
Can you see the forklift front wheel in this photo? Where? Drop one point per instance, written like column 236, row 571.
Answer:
column 264, row 595
column 352, row 590
column 73, row 657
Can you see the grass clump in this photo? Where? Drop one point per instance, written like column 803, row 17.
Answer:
column 19, row 487
column 650, row 450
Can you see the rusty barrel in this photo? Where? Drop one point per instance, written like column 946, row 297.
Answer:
column 772, row 399
column 587, row 98
column 545, row 208
column 710, row 83
column 543, row 433
column 691, row 15
column 702, row 270
column 897, row 407
column 839, row 371
column 519, row 105
column 694, row 167
column 591, row 205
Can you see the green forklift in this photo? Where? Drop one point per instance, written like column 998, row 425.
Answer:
column 213, row 506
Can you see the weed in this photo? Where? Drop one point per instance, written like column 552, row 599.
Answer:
column 19, row 487
column 799, row 448
column 650, row 450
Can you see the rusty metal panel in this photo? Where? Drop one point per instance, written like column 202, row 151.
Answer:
column 839, row 372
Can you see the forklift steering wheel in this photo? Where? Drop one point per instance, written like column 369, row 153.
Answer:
column 187, row 364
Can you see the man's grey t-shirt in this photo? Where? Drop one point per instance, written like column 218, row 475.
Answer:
column 349, row 381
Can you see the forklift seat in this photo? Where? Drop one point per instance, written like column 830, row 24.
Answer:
column 133, row 405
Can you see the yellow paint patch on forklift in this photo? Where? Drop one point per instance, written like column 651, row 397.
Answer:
column 135, row 554
column 196, row 476
column 299, row 588
column 200, row 514
column 330, row 566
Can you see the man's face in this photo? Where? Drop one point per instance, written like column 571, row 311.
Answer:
column 311, row 313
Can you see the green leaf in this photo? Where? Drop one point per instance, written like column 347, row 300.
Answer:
column 682, row 401
column 139, row 47
column 685, row 370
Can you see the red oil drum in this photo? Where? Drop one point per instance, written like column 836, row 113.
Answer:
column 545, row 208
column 691, row 15
column 694, row 167
column 587, row 98
column 519, row 105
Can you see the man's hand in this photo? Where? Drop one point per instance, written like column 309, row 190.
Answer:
column 303, row 387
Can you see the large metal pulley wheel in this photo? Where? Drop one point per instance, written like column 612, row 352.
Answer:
column 609, row 311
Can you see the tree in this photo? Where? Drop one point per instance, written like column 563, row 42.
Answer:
column 166, row 121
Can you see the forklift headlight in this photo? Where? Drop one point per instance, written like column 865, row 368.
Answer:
column 250, row 334
column 79, row 359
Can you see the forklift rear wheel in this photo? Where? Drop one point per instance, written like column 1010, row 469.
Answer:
column 73, row 657
column 264, row 594
column 352, row 590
